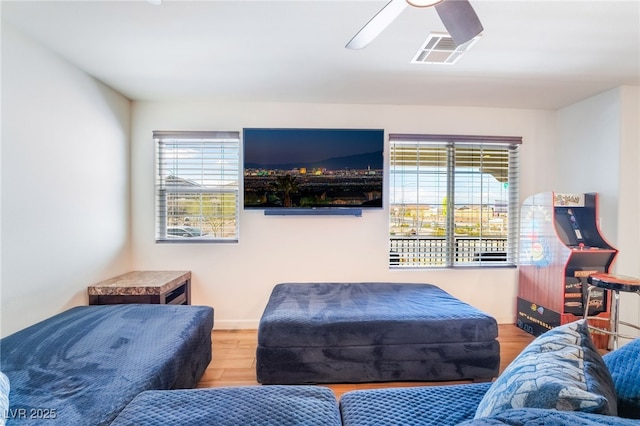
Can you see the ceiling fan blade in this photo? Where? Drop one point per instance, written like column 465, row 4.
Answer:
column 377, row 24
column 460, row 20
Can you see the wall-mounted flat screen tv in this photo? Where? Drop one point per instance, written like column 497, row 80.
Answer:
column 291, row 168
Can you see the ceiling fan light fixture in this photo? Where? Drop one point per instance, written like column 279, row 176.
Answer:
column 458, row 17
column 424, row 3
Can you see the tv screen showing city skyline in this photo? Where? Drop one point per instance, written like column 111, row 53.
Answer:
column 312, row 168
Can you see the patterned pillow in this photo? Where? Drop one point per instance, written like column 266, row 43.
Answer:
column 4, row 397
column 625, row 370
column 561, row 369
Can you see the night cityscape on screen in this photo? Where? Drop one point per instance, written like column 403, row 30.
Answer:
column 313, row 168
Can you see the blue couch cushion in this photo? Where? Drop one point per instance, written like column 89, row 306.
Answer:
column 540, row 417
column 234, row 406
column 561, row 369
column 412, row 406
column 625, row 369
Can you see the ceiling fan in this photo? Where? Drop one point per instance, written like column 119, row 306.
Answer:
column 458, row 17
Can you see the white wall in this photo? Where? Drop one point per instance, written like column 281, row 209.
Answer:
column 236, row 279
column 629, row 175
column 599, row 151
column 65, row 183
column 588, row 154
column 629, row 204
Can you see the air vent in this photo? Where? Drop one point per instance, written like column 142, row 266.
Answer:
column 439, row 48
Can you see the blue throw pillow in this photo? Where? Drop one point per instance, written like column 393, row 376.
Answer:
column 625, row 370
column 4, row 397
column 560, row 370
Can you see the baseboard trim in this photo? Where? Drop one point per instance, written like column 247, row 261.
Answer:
column 235, row 324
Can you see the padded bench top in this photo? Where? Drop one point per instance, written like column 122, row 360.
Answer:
column 337, row 314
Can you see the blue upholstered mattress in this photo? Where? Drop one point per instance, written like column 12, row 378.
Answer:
column 83, row 366
column 368, row 332
column 412, row 406
column 234, row 406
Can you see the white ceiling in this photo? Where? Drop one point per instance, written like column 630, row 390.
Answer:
column 533, row 54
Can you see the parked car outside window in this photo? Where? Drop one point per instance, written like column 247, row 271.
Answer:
column 184, row 232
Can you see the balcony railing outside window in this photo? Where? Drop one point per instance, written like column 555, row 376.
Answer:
column 414, row 252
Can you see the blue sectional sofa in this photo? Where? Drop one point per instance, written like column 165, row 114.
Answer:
column 120, row 366
column 83, row 366
column 560, row 379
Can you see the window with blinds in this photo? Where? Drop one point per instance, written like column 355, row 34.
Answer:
column 453, row 200
column 197, row 186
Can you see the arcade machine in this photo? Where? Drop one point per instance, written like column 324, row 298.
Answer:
column 560, row 246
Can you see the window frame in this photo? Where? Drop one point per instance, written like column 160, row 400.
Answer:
column 224, row 166
column 417, row 252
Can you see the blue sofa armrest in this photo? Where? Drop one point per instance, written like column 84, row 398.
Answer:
column 624, row 366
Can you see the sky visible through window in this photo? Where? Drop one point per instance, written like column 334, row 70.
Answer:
column 429, row 186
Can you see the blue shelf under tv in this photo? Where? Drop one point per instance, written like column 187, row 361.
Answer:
column 325, row 211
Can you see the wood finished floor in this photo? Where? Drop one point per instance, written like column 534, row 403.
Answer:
column 234, row 360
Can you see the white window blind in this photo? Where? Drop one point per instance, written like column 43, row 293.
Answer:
column 453, row 200
column 197, row 186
